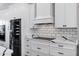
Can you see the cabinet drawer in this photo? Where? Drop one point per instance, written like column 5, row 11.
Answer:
column 42, row 41
column 27, row 52
column 27, row 46
column 43, row 48
column 40, row 47
column 43, row 54
column 59, row 53
column 62, row 52
column 61, row 45
column 28, row 41
column 34, row 46
column 34, row 53
column 37, row 53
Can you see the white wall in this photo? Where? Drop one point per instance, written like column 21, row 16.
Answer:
column 18, row 11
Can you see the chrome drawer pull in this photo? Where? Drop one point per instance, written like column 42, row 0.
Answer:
column 52, row 41
column 27, row 52
column 61, row 53
column 26, row 55
column 27, row 45
column 60, row 45
column 38, row 48
column 64, row 25
column 38, row 55
column 27, row 40
column 65, row 38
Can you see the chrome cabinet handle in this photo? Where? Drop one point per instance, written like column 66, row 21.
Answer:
column 53, row 42
column 60, row 53
column 33, row 35
column 60, row 45
column 64, row 25
column 64, row 37
column 26, row 55
column 27, row 45
column 38, row 55
column 27, row 52
column 27, row 40
column 38, row 48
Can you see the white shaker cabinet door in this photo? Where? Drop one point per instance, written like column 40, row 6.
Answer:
column 42, row 10
column 71, row 14
column 59, row 15
column 65, row 15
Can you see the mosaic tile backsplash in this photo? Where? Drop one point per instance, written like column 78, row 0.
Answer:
column 50, row 31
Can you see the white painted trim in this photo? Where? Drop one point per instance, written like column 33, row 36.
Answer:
column 43, row 18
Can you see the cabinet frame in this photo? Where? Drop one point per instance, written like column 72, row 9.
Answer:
column 49, row 19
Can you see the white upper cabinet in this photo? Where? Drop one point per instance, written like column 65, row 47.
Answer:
column 66, row 15
column 59, row 15
column 43, row 10
column 71, row 14
column 44, row 13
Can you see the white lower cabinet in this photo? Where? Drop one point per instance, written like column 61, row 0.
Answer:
column 27, row 52
column 27, row 44
column 63, row 48
column 38, row 47
column 34, row 52
column 41, row 48
column 43, row 54
column 38, row 53
column 55, row 51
